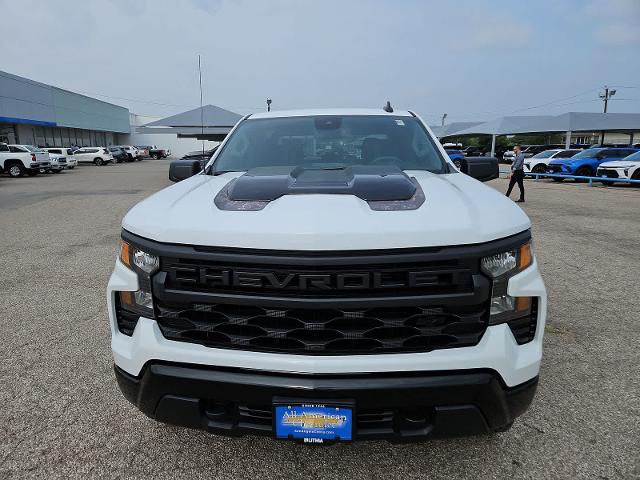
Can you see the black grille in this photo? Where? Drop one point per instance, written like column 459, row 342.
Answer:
column 323, row 302
column 524, row 329
column 555, row 168
column 608, row 173
column 324, row 331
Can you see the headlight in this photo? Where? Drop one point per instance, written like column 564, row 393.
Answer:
column 501, row 267
column 144, row 264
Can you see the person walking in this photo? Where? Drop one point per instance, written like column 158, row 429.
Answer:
column 517, row 173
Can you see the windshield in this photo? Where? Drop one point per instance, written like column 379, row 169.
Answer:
column 634, row 157
column 587, row 154
column 545, row 154
column 31, row 148
column 330, row 142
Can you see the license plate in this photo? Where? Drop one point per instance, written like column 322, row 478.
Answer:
column 313, row 423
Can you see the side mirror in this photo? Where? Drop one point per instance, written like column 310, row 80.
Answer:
column 480, row 168
column 182, row 169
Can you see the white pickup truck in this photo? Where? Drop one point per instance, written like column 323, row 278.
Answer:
column 329, row 275
column 16, row 160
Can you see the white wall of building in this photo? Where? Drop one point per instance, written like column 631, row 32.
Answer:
column 178, row 146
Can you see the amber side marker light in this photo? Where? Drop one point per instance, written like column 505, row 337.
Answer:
column 125, row 253
column 126, row 298
column 523, row 304
column 525, row 257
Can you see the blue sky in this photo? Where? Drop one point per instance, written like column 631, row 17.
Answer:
column 473, row 59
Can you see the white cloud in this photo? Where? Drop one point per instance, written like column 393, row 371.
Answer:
column 486, row 30
column 615, row 22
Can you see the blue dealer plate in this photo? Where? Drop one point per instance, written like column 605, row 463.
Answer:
column 313, row 423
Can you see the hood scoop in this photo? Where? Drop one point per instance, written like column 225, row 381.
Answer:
column 382, row 187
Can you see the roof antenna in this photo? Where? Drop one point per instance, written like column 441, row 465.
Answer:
column 388, row 108
column 201, row 109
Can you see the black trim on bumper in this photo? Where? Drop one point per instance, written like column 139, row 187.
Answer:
column 392, row 406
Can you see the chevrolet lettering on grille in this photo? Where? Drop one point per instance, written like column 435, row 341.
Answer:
column 226, row 277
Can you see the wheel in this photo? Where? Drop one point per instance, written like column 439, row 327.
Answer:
column 457, row 163
column 71, row 168
column 139, row 159
column 129, row 158
column 583, row 172
column 540, row 168
column 155, row 156
column 57, row 171
column 15, row 170
column 98, row 161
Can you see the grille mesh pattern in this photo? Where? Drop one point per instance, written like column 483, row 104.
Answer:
column 324, row 331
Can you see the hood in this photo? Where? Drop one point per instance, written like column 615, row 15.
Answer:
column 620, row 164
column 457, row 210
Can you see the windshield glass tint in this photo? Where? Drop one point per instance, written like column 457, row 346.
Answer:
column 330, row 142
column 634, row 157
column 587, row 154
column 545, row 154
column 31, row 148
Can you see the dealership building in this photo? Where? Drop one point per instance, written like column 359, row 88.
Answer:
column 34, row 113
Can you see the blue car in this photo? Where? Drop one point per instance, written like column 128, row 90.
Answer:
column 586, row 162
column 455, row 156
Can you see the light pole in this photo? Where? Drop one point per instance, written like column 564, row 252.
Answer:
column 443, row 118
column 268, row 104
column 606, row 96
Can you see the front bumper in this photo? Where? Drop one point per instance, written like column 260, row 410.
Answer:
column 612, row 173
column 393, row 406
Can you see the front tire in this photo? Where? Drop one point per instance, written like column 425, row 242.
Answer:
column 583, row 172
column 98, row 161
column 540, row 168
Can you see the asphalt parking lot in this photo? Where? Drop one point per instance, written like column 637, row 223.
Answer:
column 62, row 414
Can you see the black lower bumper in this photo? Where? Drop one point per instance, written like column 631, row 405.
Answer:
column 394, row 406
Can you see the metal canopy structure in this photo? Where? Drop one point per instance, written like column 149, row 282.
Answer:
column 504, row 125
column 452, row 128
column 567, row 123
column 207, row 123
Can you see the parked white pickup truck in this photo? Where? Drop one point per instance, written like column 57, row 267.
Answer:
column 16, row 160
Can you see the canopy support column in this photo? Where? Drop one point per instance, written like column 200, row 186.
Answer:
column 631, row 135
column 493, row 145
column 567, row 140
